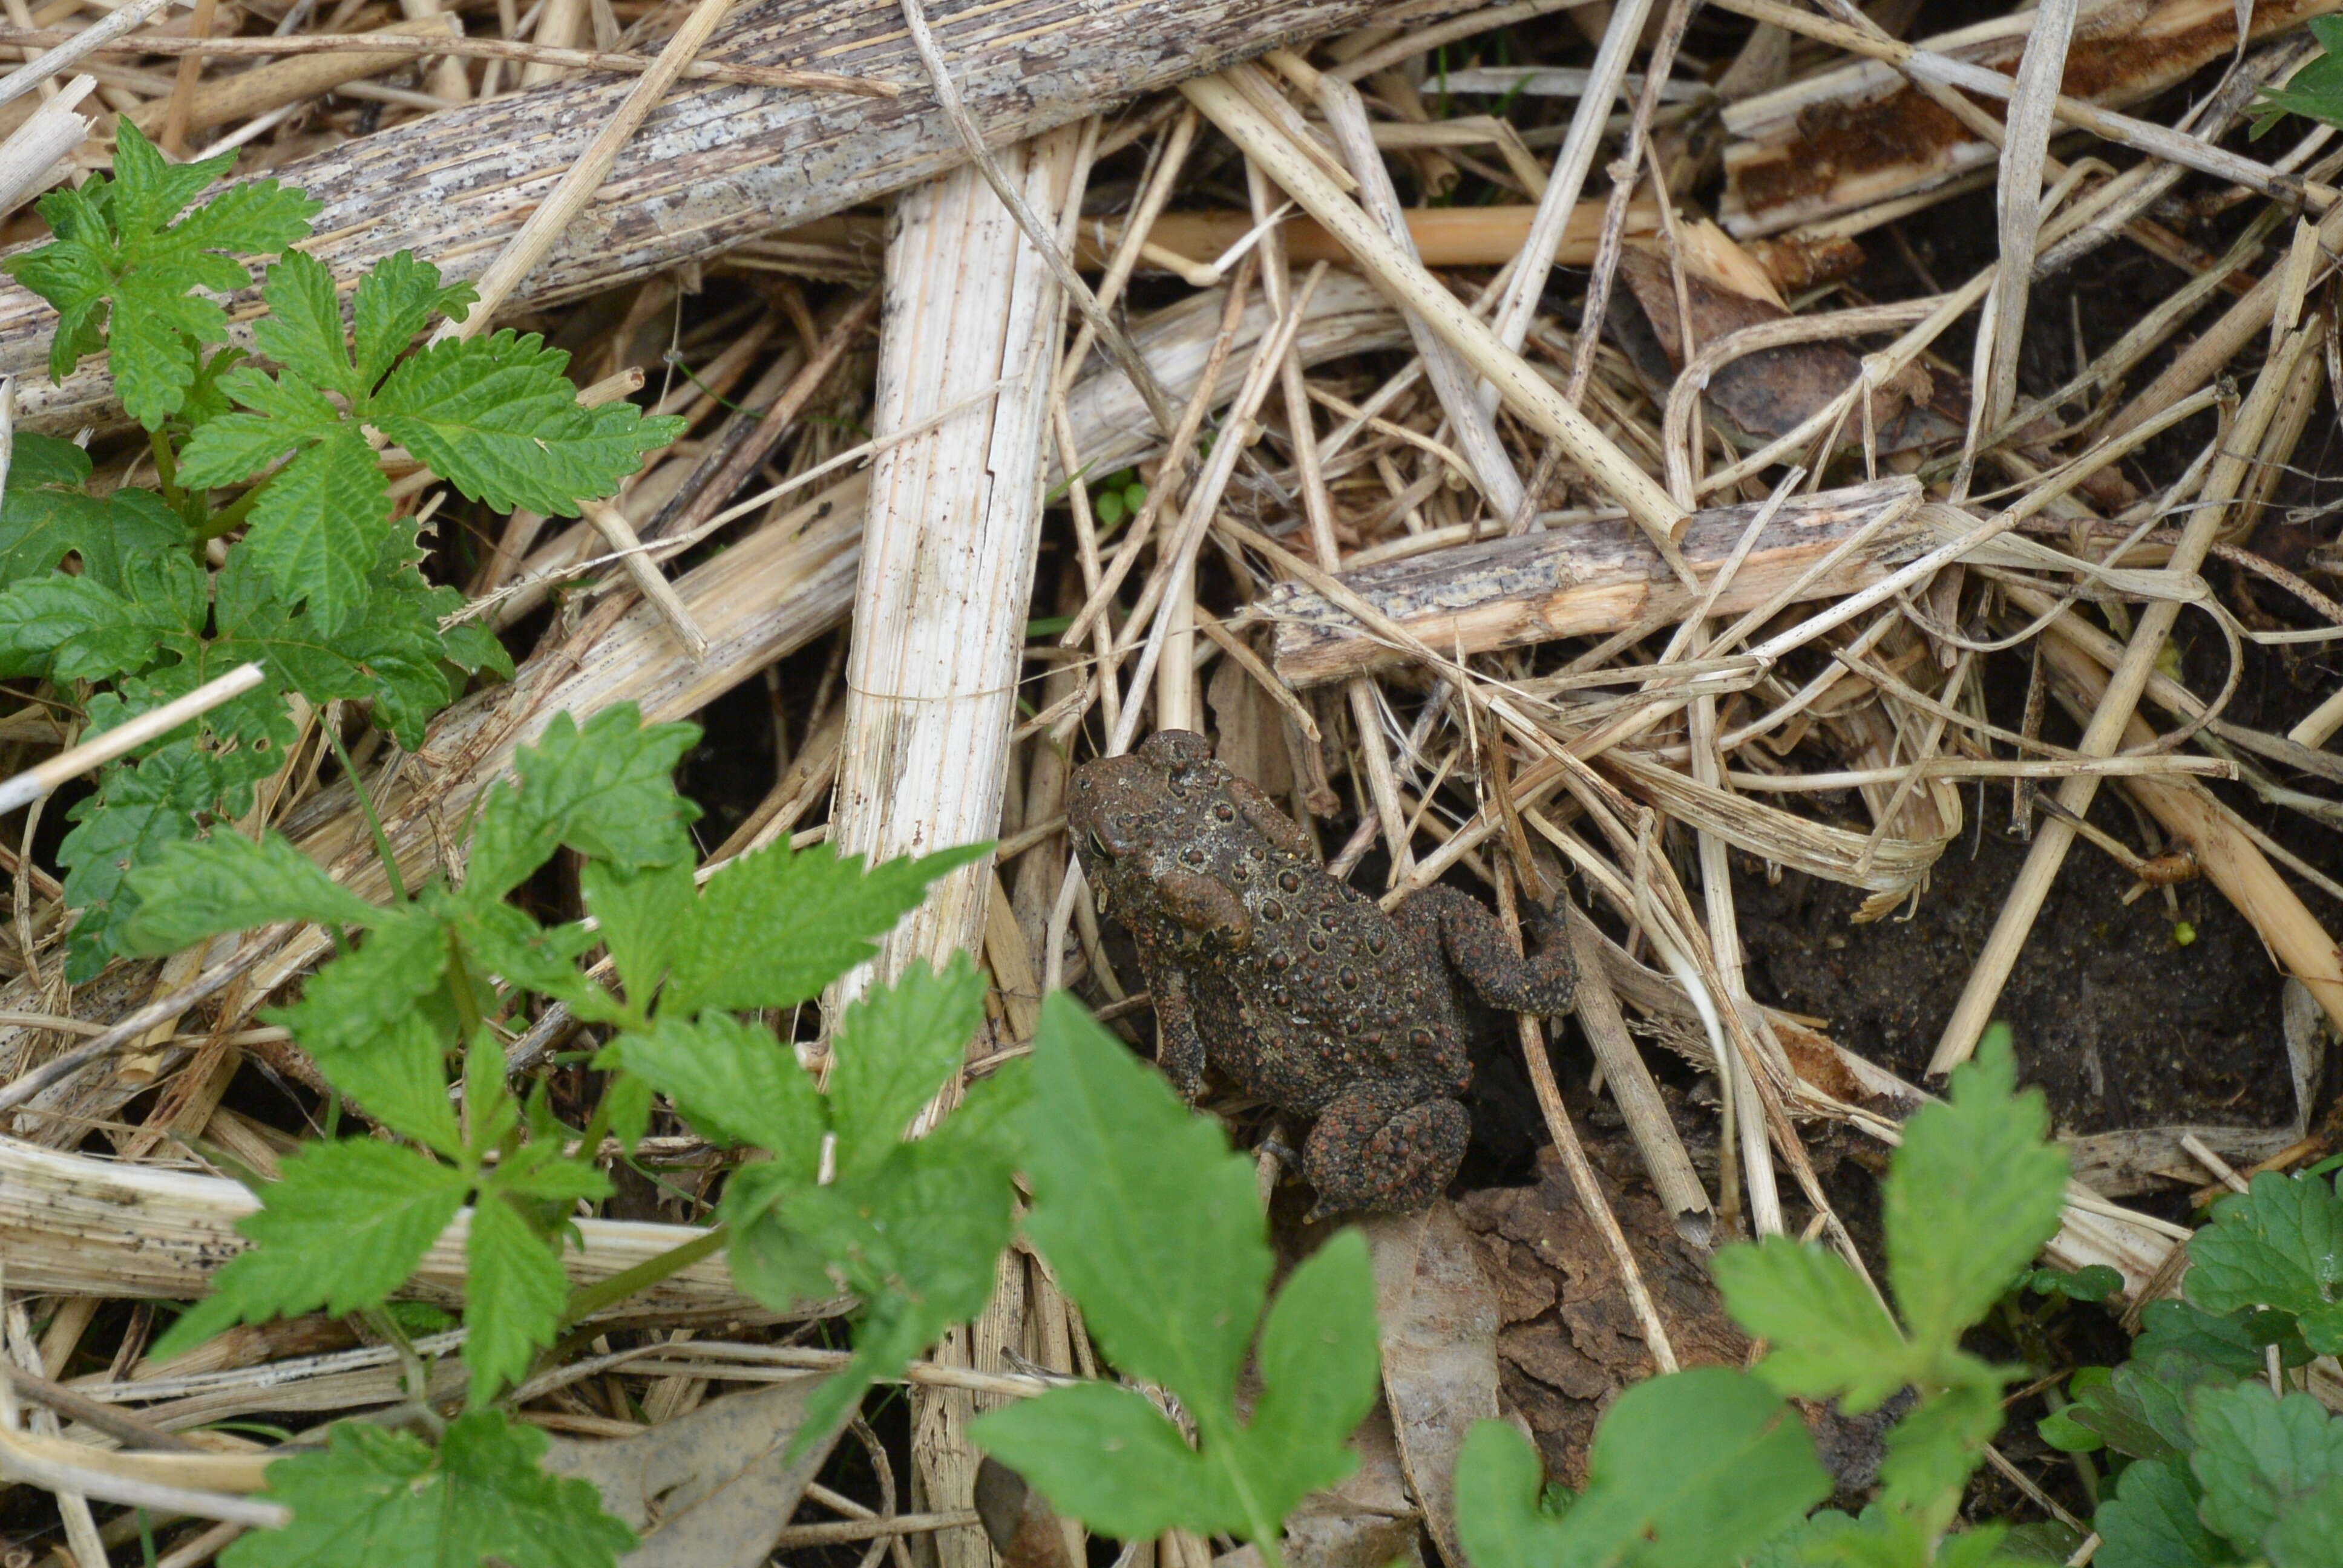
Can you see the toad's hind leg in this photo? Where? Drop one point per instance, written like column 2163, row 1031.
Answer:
column 1545, row 983
column 1384, row 1147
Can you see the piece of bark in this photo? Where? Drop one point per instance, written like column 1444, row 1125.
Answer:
column 1862, row 134
column 1588, row 580
column 1562, row 1368
column 718, row 164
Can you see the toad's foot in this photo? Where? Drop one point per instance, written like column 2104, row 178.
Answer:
column 1384, row 1147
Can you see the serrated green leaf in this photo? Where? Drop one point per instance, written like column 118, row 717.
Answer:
column 515, row 1292
column 773, row 1262
column 399, row 1077
column 541, row 1174
column 2278, row 1244
column 2257, row 1455
column 733, row 1081
column 1146, row 1214
column 150, row 190
column 138, row 812
column 775, row 927
column 2151, row 1523
column 643, row 914
column 45, row 517
column 2232, row 1342
column 376, row 1497
column 345, row 1228
column 283, row 415
column 397, row 300
column 509, row 943
column 317, row 529
column 607, row 792
column 303, row 330
column 351, row 1001
column 1828, row 1336
column 118, row 259
column 496, row 417
column 2142, row 1409
column 1971, row 1196
column 893, row 1049
column 227, row 883
column 1692, row 1469
column 1935, row 1449
column 1106, row 1456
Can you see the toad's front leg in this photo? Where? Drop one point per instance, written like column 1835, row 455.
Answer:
column 1179, row 1049
column 1545, row 983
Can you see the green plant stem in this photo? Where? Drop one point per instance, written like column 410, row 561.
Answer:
column 231, row 517
column 587, row 1300
column 166, row 469
column 366, row 804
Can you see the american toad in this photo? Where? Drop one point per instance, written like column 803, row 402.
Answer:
column 1303, row 990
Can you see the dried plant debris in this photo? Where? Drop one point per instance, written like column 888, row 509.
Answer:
column 1833, row 513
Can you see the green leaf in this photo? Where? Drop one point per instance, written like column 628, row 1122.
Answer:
column 46, row 516
column 396, row 301
column 2151, row 1523
column 303, row 330
column 284, row 415
column 344, row 1229
column 376, row 1497
column 139, row 812
column 1153, row 1227
column 1695, row 1468
column 1935, row 1449
column 2278, row 1244
column 2258, row 1456
column 1828, row 1336
column 318, row 528
column 2142, row 1408
column 1108, row 1457
column 920, row 1240
column 1147, row 1216
column 350, row 1003
column 775, row 927
column 733, row 1081
column 1320, row 1371
column 1500, row 1516
column 2233, row 1343
column 118, row 258
column 399, row 1077
column 643, row 915
column 2309, row 1534
column 515, row 1292
column 892, row 1051
column 227, row 883
column 606, row 792
column 1972, row 1195
column 496, row 417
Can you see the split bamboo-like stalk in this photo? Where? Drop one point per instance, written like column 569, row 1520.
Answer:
column 951, row 527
